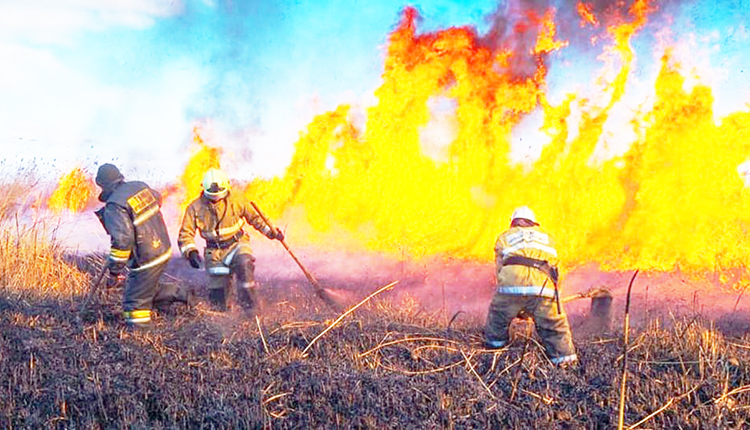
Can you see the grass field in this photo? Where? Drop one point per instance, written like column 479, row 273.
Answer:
column 391, row 364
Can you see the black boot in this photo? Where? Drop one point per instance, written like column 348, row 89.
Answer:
column 187, row 296
column 218, row 299
column 248, row 294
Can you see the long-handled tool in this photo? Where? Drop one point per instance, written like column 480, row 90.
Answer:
column 94, row 289
column 324, row 294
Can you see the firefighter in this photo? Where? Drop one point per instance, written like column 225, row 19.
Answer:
column 219, row 215
column 139, row 241
column 525, row 259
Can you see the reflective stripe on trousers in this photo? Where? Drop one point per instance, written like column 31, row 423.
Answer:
column 219, row 270
column 565, row 359
column 138, row 316
column 224, row 266
column 496, row 343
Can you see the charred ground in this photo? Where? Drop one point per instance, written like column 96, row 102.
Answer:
column 391, row 364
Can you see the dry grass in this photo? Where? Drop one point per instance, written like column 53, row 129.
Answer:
column 376, row 369
column 32, row 261
column 16, row 192
column 391, row 364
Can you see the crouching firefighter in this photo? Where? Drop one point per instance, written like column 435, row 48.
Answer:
column 139, row 241
column 219, row 215
column 527, row 278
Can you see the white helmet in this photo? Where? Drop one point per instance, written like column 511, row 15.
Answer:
column 215, row 184
column 523, row 212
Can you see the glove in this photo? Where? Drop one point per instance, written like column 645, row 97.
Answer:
column 277, row 234
column 194, row 259
column 116, row 273
column 114, row 281
column 115, row 268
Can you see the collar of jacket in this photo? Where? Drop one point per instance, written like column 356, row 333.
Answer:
column 108, row 190
column 523, row 222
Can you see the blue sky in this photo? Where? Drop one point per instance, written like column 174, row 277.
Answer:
column 92, row 81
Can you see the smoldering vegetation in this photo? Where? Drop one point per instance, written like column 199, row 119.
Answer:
column 397, row 362
column 390, row 364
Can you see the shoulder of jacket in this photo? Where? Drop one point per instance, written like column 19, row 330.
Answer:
column 120, row 195
column 127, row 189
column 237, row 200
column 235, row 196
column 196, row 204
column 111, row 206
column 541, row 230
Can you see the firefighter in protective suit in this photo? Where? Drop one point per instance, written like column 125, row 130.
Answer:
column 526, row 259
column 219, row 215
column 139, row 241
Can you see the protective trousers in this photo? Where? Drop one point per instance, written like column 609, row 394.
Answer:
column 221, row 264
column 553, row 328
column 142, row 292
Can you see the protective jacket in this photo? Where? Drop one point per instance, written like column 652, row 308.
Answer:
column 219, row 223
column 529, row 243
column 132, row 218
column 526, row 258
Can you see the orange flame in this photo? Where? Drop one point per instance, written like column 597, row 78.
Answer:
column 545, row 42
column 432, row 171
column 587, row 17
column 380, row 186
column 74, row 192
column 204, row 157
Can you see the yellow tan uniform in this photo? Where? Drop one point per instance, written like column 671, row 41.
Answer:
column 524, row 288
column 530, row 242
column 220, row 223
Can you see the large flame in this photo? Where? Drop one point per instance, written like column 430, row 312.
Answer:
column 674, row 200
column 75, row 191
column 587, row 17
column 433, row 170
column 203, row 157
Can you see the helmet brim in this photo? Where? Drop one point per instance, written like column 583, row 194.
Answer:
column 218, row 195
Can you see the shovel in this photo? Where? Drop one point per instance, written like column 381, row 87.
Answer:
column 325, row 295
column 601, row 306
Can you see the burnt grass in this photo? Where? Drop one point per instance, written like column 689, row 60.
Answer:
column 199, row 369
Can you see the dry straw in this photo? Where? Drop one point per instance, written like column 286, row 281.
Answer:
column 352, row 309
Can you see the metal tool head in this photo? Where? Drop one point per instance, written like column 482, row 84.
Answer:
column 601, row 308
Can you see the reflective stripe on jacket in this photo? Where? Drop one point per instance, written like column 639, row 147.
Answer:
column 132, row 218
column 217, row 221
column 529, row 242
